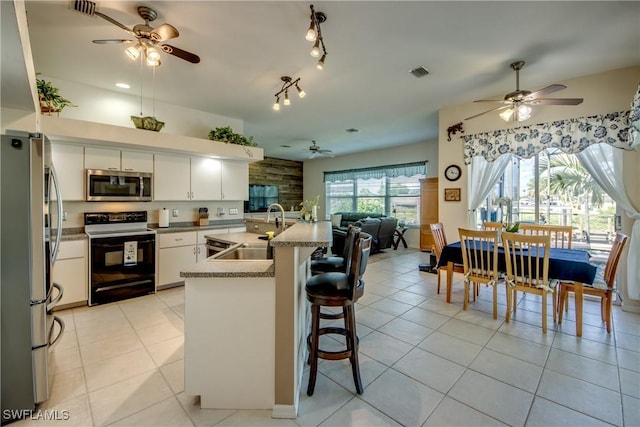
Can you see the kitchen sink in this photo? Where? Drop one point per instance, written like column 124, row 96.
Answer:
column 244, row 252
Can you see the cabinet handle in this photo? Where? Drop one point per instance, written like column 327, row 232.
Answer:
column 128, row 169
column 194, row 250
column 188, row 196
column 177, row 240
column 113, row 169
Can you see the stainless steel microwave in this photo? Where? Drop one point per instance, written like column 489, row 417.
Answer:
column 118, row 186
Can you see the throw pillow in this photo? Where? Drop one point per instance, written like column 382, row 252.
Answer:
column 336, row 220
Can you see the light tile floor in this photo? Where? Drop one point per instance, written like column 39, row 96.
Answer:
column 423, row 363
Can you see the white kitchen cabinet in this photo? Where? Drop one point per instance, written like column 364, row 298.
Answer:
column 235, row 180
column 136, row 161
column 177, row 251
column 101, row 158
column 70, row 271
column 110, row 159
column 68, row 161
column 205, row 179
column 172, row 177
column 184, row 178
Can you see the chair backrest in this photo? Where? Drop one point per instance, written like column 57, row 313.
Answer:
column 561, row 235
column 527, row 258
column 359, row 264
column 614, row 256
column 479, row 253
column 349, row 244
column 489, row 225
column 439, row 239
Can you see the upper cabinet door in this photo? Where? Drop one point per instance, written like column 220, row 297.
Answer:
column 235, row 180
column 205, row 179
column 137, row 161
column 68, row 161
column 102, row 158
column 171, row 177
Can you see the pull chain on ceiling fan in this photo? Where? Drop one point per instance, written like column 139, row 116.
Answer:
column 149, row 40
column 517, row 103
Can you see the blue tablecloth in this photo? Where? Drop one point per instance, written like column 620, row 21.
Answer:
column 564, row 264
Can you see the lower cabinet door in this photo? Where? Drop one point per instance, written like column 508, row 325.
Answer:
column 172, row 261
column 72, row 275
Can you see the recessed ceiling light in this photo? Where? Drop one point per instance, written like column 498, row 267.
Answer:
column 122, row 85
column 351, row 130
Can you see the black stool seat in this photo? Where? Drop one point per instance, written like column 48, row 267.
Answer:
column 337, row 289
column 328, row 264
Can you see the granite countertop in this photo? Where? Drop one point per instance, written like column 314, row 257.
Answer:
column 305, row 234
column 299, row 235
column 67, row 237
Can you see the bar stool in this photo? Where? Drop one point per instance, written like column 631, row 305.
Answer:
column 334, row 263
column 337, row 289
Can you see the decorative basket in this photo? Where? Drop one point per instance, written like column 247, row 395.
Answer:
column 147, row 123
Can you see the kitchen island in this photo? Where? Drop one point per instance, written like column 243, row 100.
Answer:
column 246, row 325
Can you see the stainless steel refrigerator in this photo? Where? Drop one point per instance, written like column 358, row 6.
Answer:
column 27, row 292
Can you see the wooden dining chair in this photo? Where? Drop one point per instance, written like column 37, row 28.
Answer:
column 602, row 288
column 440, row 241
column 480, row 262
column 490, row 225
column 561, row 235
column 527, row 259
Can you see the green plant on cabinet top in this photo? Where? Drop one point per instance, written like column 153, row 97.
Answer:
column 50, row 99
column 227, row 135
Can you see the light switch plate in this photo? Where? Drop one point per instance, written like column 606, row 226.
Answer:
column 233, row 211
column 175, row 213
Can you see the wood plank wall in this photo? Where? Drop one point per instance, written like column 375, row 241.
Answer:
column 286, row 174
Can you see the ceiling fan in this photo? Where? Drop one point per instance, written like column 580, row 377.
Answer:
column 147, row 39
column 516, row 103
column 317, row 151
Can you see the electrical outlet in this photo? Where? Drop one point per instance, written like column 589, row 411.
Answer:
column 64, row 215
column 175, row 213
column 233, row 211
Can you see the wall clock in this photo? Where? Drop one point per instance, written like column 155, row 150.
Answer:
column 452, row 172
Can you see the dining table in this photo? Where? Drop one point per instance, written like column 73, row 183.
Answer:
column 564, row 265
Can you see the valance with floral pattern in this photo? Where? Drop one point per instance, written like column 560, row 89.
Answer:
column 570, row 136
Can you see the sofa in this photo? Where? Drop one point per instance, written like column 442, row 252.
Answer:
column 381, row 228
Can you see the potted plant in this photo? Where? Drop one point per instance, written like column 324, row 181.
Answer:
column 228, row 136
column 50, row 99
column 309, row 209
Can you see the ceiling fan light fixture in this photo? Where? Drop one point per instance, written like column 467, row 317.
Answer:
column 153, row 63
column 524, row 113
column 152, row 54
column 133, row 52
column 506, row 114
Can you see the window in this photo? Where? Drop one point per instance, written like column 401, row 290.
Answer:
column 553, row 188
column 390, row 190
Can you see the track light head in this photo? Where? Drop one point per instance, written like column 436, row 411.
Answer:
column 287, row 83
column 286, row 97
column 320, row 64
column 276, row 105
column 315, row 50
column 301, row 93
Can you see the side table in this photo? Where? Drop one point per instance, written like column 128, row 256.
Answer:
column 398, row 235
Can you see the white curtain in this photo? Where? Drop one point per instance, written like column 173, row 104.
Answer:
column 482, row 177
column 604, row 163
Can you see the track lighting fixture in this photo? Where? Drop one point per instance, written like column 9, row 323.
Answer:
column 314, row 34
column 287, row 82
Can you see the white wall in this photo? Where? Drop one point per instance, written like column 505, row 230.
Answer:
column 603, row 93
column 313, row 170
column 115, row 108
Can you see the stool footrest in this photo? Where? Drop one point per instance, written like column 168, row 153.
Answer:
column 333, row 355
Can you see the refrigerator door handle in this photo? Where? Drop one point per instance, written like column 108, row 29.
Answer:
column 60, row 333
column 54, row 179
column 58, row 297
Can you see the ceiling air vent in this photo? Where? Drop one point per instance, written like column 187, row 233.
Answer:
column 419, row 72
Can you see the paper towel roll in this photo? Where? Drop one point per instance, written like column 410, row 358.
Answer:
column 163, row 218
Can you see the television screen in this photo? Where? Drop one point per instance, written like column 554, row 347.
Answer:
column 261, row 196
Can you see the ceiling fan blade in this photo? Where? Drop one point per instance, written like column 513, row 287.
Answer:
column 182, row 54
column 491, row 100
column 556, row 101
column 488, row 111
column 113, row 21
column 164, row 32
column 545, row 91
column 113, row 41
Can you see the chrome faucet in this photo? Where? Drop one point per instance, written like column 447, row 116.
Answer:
column 279, row 206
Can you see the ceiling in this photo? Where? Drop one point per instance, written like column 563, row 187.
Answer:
column 245, row 47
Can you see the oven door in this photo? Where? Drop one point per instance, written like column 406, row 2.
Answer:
column 122, row 267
